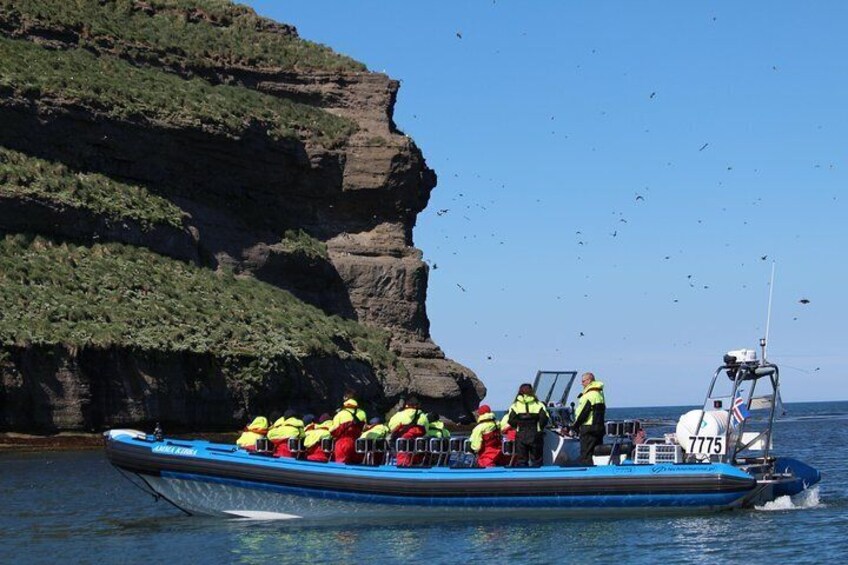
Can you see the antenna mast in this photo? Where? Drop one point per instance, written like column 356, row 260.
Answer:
column 764, row 341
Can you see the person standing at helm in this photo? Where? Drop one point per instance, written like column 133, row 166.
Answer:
column 254, row 431
column 346, row 428
column 529, row 417
column 486, row 438
column 590, row 414
column 409, row 423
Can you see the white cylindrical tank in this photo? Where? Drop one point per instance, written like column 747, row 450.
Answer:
column 713, row 424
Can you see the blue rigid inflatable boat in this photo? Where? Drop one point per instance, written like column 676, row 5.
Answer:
column 717, row 467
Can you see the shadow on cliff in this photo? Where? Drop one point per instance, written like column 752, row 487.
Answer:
column 241, row 194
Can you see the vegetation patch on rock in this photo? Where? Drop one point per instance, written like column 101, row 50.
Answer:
column 117, row 295
column 118, row 89
column 23, row 176
column 200, row 33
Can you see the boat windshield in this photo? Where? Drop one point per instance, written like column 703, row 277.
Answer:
column 553, row 386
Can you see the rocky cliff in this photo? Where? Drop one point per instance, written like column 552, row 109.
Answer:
column 238, row 159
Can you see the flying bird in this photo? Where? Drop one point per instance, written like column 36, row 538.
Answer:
column 639, row 197
column 462, row 288
column 652, row 95
column 804, row 301
column 704, row 146
column 459, row 35
column 763, row 257
column 443, row 211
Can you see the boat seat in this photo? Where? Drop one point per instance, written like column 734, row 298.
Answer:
column 370, row 448
column 264, row 446
column 439, row 451
column 460, row 453
column 403, row 445
column 296, row 446
column 328, row 445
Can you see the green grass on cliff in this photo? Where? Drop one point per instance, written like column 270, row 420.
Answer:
column 114, row 295
column 117, row 89
column 199, row 32
column 22, row 176
column 298, row 241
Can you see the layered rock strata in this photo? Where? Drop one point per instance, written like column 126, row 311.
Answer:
column 241, row 189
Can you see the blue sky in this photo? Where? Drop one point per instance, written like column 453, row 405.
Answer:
column 614, row 174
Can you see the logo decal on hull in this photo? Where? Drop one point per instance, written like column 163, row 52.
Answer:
column 175, row 450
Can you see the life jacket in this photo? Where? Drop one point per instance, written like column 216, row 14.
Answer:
column 285, row 428
column 348, row 421
column 254, row 431
column 377, row 431
column 486, row 441
column 593, row 396
column 528, row 413
column 409, row 421
column 316, row 434
column 437, row 429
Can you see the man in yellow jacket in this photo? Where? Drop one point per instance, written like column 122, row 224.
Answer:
column 254, row 431
column 529, row 417
column 590, row 414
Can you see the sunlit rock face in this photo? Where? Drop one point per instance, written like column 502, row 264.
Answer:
column 342, row 176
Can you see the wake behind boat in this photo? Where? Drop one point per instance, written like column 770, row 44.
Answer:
column 717, row 460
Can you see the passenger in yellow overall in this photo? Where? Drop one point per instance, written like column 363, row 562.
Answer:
column 254, row 431
column 589, row 419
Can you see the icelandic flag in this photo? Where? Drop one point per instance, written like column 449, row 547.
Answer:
column 739, row 412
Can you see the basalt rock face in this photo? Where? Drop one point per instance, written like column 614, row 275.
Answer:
column 240, row 189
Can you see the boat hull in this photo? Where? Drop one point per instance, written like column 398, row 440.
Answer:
column 205, row 478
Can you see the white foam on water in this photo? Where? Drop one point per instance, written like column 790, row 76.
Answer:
column 808, row 498
column 261, row 515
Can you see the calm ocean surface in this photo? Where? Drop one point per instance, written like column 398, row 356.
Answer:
column 74, row 507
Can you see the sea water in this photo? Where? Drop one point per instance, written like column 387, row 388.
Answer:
column 73, row 507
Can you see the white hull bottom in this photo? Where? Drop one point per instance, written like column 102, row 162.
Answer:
column 228, row 500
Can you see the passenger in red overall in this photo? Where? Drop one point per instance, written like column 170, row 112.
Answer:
column 347, row 427
column 409, row 423
column 313, row 437
column 290, row 426
column 486, row 438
